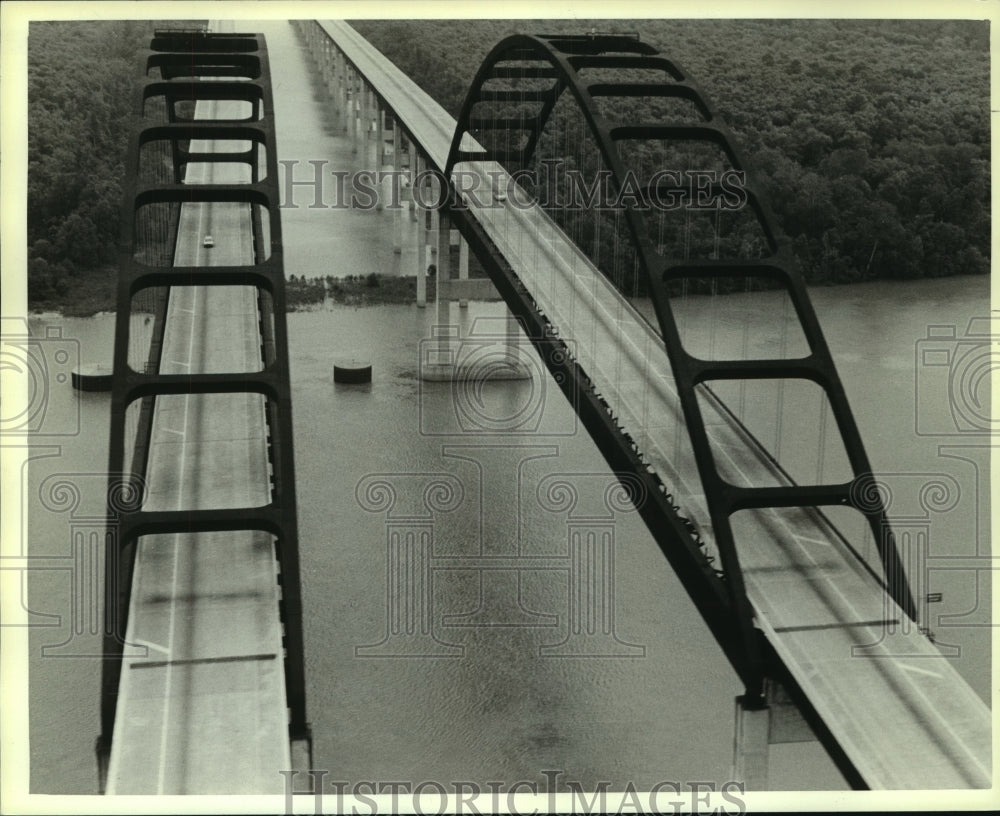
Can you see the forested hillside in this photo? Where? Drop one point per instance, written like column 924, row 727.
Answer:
column 81, row 78
column 870, row 137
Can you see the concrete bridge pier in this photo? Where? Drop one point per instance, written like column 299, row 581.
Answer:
column 322, row 62
column 440, row 364
column 379, row 165
column 336, row 87
column 340, row 91
column 750, row 745
column 423, row 255
column 366, row 122
column 413, row 176
column 430, row 226
column 359, row 145
column 360, row 107
column 434, row 216
column 330, row 71
column 463, row 267
column 371, row 129
column 355, row 106
column 403, row 187
column 759, row 726
column 351, row 104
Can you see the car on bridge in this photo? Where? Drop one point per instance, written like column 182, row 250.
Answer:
column 208, row 242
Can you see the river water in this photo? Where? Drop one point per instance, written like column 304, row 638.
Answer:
column 480, row 676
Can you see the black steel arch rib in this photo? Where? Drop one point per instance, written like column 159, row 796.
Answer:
column 558, row 59
column 191, row 65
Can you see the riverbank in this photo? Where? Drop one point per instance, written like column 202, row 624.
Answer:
column 353, row 290
column 94, row 293
column 85, row 294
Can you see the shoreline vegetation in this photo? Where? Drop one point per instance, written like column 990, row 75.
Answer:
column 89, row 295
column 310, row 294
column 876, row 161
column 302, row 294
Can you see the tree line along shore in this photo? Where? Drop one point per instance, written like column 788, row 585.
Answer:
column 871, row 138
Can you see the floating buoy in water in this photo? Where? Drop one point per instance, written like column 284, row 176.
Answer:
column 352, row 370
column 91, row 377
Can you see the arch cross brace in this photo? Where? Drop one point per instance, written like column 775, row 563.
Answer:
column 519, row 84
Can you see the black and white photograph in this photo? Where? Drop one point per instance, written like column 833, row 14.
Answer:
column 497, row 408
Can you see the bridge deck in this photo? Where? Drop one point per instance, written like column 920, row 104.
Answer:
column 902, row 714
column 205, row 711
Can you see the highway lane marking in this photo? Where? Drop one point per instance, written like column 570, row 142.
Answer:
column 918, row 670
column 149, row 645
column 192, row 294
column 173, row 606
column 176, row 541
column 944, row 724
column 196, row 313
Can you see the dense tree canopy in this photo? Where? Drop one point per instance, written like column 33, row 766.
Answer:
column 871, row 138
column 81, row 77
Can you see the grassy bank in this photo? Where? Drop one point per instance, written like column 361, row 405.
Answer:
column 94, row 291
column 353, row 290
column 871, row 138
column 83, row 294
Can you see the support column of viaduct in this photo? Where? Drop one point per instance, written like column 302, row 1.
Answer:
column 363, row 116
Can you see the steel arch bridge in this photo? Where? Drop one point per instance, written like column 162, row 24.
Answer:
column 199, row 90
column 520, row 83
